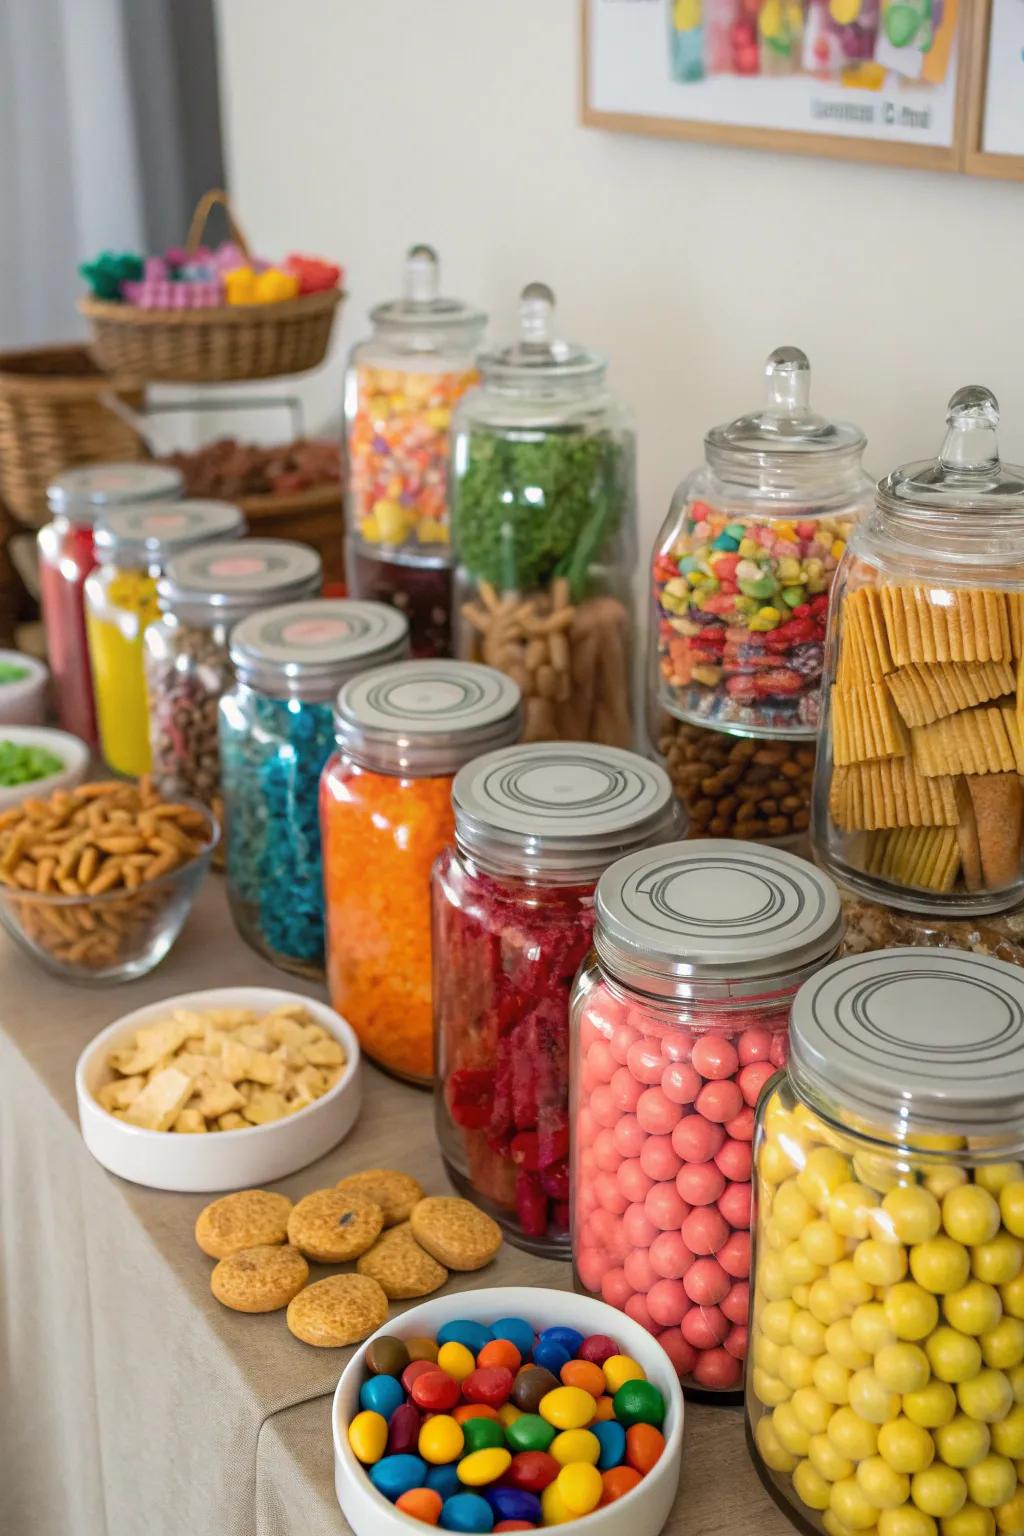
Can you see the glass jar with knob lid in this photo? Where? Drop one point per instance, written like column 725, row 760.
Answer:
column 400, row 390
column 543, row 512
column 741, row 575
column 918, row 802
column 885, row 1386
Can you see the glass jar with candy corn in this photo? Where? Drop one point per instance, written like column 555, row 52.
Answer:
column 886, row 1384
column 677, row 1025
column 400, row 390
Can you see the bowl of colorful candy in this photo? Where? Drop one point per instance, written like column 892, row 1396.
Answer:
column 23, row 682
column 508, row 1409
column 34, row 761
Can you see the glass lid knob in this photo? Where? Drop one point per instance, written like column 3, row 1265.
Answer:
column 422, row 274
column 789, row 382
column 970, row 446
column 536, row 311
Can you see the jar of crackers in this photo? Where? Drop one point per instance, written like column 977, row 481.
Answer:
column 918, row 802
column 740, row 581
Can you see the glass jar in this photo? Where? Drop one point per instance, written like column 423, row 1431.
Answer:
column 543, row 512
column 67, row 555
column 400, row 389
column 917, row 795
column 386, row 813
column 886, row 1389
column 132, row 545
column 203, row 594
column 276, row 734
column 678, row 1022
column 513, row 917
column 740, row 583
column 870, row 926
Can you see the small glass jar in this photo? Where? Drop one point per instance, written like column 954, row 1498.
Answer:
column 400, row 389
column 678, row 1022
column 543, row 513
column 133, row 544
column 918, row 801
column 276, row 734
column 513, row 916
column 386, row 813
column 886, row 1388
column 740, row 582
column 67, row 555
column 203, row 594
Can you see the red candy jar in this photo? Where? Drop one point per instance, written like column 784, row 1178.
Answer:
column 677, row 1024
column 513, row 909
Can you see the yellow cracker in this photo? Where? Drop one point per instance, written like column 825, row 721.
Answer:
column 974, row 741
column 924, row 692
column 892, row 793
column 864, row 654
column 923, row 625
column 865, row 725
column 1015, row 603
column 922, row 856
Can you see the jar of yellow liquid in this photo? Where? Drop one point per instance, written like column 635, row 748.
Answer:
column 132, row 545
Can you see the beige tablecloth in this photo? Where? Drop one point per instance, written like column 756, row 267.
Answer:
column 131, row 1402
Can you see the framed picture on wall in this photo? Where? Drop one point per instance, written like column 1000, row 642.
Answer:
column 881, row 80
column 995, row 129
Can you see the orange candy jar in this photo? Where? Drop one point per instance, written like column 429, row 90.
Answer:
column 403, row 732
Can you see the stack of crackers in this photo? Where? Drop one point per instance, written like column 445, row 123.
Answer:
column 926, row 734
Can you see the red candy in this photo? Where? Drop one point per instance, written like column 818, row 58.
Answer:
column 414, row 1370
column 597, row 1348
column 532, row 1470
column 488, row 1384
column 404, row 1428
column 436, row 1392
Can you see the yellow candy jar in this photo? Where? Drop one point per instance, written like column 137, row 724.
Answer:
column 885, row 1383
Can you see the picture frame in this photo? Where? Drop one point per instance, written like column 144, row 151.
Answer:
column 996, row 67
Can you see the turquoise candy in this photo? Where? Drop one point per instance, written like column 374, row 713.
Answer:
column 530, row 1433
column 462, row 1330
column 517, row 1331
column 726, row 541
column 639, row 1402
column 466, row 1512
column 381, row 1394
column 735, row 531
column 612, row 1438
column 483, row 1435
column 688, row 563
column 444, row 1480
column 395, row 1475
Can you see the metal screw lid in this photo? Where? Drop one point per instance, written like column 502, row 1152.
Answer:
column 307, row 650
column 426, row 718
column 83, row 493
column 212, row 582
column 145, row 534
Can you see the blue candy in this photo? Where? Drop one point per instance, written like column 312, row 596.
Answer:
column 394, row 1475
column 518, row 1332
column 466, row 1512
column 444, row 1480
column 551, row 1355
column 381, row 1394
column 461, row 1330
column 613, row 1443
column 514, row 1504
column 566, row 1338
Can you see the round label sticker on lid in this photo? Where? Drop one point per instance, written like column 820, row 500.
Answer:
column 141, row 529
column 231, row 575
column 320, row 642
column 915, row 1037
column 95, row 486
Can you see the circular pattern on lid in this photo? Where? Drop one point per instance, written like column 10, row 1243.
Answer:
column 95, row 486
column 428, row 697
column 222, row 573
column 319, row 642
column 933, row 1037
column 158, row 529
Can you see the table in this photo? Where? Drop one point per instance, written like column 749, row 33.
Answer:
column 134, row 1404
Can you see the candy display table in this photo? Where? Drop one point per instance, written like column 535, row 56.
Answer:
column 138, row 1402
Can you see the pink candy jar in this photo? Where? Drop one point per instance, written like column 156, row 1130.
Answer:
column 678, row 1021
column 513, row 912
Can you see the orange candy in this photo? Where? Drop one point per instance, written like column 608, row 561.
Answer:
column 605, row 1409
column 475, row 1411
column 585, row 1374
column 617, row 1482
column 644, row 1444
column 500, row 1352
column 422, row 1504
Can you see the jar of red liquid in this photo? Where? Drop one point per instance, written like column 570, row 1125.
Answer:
column 66, row 556
column 677, row 1024
column 535, row 826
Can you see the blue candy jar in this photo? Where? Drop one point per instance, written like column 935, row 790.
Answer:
column 276, row 733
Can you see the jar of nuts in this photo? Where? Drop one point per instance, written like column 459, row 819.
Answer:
column 739, row 786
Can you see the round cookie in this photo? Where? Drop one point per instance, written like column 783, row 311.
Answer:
column 260, row 1279
column 455, row 1232
column 340, row 1310
column 401, row 1267
column 395, row 1193
column 252, row 1218
column 332, row 1227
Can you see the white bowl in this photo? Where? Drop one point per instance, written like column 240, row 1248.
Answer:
column 73, row 753
column 24, row 702
column 224, row 1159
column 642, row 1512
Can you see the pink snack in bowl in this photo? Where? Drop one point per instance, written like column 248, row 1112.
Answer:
column 678, row 1022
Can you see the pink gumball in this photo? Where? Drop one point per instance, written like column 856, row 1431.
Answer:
column 638, row 1271
column 735, row 1160
column 704, row 1327
column 704, row 1231
column 601, row 1061
column 666, row 1208
column 604, row 1225
column 754, row 1045
column 707, row 1283
column 659, row 1159
column 604, row 1108
column 586, row 1202
column 656, row 1113
column 644, row 1061
column 667, row 1302
column 734, row 1205
column 591, row 1264
column 629, row 1136
column 615, row 1288
column 715, row 1057
column 717, row 1101
column 779, row 1053
column 586, row 1126
column 717, row 1370
column 620, row 1244
column 609, row 1194
column 682, row 1355
column 741, row 1127
column 589, row 1031
column 637, row 1227
column 736, row 1305
column 696, row 1140
column 680, row 1083
column 736, row 1341
column 636, row 1308
column 734, row 1255
column 677, row 1045
column 623, row 1037
column 604, row 1011
column 588, row 1163
column 625, row 1090
column 632, row 1180
column 670, row 1258
column 606, row 1154
column 753, row 1078
column 700, row 1183
column 588, row 1079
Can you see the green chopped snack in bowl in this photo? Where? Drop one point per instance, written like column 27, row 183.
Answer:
column 20, row 764
column 10, row 672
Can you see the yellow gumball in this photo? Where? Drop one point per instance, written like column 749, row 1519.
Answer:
column 1011, row 1206
column 827, row 1459
column 963, row 1442
column 954, row 1356
column 934, row 1405
column 797, row 1267
column 942, row 1177
column 1010, row 1516
column 824, row 1171
column 767, row 1355
column 995, row 1176
column 974, row 1309
column 1012, row 1296
column 849, row 1503
column 905, row 1446
column 771, row 1279
column 790, row 1431
column 791, row 1210
column 773, row 1452
column 842, row 1346
column 832, row 1380
column 812, row 1410
column 877, row 1171
column 834, row 1526
column 1017, row 1383
column 910, row 1311
column 940, row 1265
column 1003, row 1345
column 822, row 1243
column 810, row 1487
column 852, row 1437
column 907, row 1521
column 850, row 1208
column 999, row 1260
column 770, row 1390
column 902, row 1367
column 773, row 1164
column 795, row 1368
column 992, row 1482
column 880, row 1263
column 1008, row 1434
column 847, row 1283
column 970, row 1215
column 972, row 1520
column 987, row 1396
column 871, row 1327
column 802, row 1296
column 777, row 1319
column 870, row 1399
column 883, row 1487
column 825, row 1303
column 910, row 1214
column 808, row 1334
column 939, row 1490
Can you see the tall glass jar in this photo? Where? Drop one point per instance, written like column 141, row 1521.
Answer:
column 203, row 594
column 276, row 734
column 133, row 543
column 678, row 1022
column 386, row 813
column 543, row 512
column 918, row 802
column 67, row 555
column 400, row 390
column 513, row 917
column 886, row 1389
column 740, row 584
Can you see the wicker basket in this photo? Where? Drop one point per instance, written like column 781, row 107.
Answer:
column 52, row 417
column 212, row 346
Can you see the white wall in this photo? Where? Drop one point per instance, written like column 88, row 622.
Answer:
column 356, row 127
